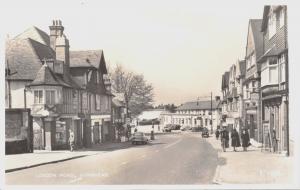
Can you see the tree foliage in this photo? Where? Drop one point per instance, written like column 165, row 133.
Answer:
column 138, row 94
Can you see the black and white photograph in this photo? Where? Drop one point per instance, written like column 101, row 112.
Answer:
column 140, row 94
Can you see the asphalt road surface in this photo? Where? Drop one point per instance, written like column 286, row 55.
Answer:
column 183, row 158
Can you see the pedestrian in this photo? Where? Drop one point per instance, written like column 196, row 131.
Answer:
column 217, row 134
column 245, row 139
column 274, row 139
column 235, row 139
column 135, row 130
column 71, row 141
column 224, row 139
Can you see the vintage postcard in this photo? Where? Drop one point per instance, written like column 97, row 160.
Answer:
column 149, row 94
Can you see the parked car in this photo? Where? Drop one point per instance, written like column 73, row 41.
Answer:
column 176, row 127
column 197, row 129
column 186, row 128
column 205, row 132
column 167, row 128
column 139, row 138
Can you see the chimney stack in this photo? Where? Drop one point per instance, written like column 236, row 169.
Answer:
column 56, row 30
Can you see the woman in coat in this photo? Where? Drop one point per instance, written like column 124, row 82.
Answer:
column 235, row 139
column 245, row 139
column 224, row 139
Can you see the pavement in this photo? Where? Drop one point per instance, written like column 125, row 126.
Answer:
column 16, row 162
column 252, row 167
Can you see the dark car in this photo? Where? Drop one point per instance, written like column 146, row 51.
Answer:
column 205, row 132
column 168, row 128
column 176, row 127
column 196, row 129
column 139, row 138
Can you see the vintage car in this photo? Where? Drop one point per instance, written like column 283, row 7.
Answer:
column 205, row 132
column 139, row 138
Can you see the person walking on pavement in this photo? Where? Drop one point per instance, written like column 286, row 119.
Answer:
column 71, row 141
column 235, row 139
column 224, row 139
column 217, row 134
column 245, row 139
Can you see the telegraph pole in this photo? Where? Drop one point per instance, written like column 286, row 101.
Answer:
column 211, row 127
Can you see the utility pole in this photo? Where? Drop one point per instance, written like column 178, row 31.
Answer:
column 211, row 127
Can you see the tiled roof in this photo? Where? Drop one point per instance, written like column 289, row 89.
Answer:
column 35, row 34
column 89, row 58
column 45, row 76
column 22, row 58
column 199, row 105
column 257, row 35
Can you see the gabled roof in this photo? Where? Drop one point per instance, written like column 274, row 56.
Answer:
column 89, row 59
column 199, row 105
column 225, row 80
column 45, row 76
column 257, row 35
column 35, row 34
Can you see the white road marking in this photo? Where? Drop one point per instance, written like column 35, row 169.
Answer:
column 157, row 151
column 123, row 163
column 172, row 144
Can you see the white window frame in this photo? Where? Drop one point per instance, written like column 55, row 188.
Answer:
column 98, row 100
column 39, row 100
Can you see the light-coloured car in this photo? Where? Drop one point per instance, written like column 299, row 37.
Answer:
column 139, row 138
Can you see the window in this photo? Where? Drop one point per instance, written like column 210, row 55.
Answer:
column 281, row 18
column 50, row 97
column 38, row 96
column 272, row 25
column 98, row 102
column 273, row 75
column 281, row 62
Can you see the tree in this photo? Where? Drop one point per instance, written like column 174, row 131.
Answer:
column 138, row 94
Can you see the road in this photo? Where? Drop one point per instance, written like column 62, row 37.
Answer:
column 183, row 158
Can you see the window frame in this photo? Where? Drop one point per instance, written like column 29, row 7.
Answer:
column 40, row 97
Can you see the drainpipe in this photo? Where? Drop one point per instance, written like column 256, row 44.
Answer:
column 9, row 94
column 25, row 102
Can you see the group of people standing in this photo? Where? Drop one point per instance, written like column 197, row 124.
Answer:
column 235, row 138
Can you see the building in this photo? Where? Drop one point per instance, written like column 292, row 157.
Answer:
column 232, row 103
column 274, row 79
column 251, row 84
column 201, row 113
column 88, row 68
column 40, row 72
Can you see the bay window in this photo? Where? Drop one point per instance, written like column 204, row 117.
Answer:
column 50, row 97
column 38, row 96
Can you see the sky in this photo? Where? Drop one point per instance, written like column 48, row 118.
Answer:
column 181, row 47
